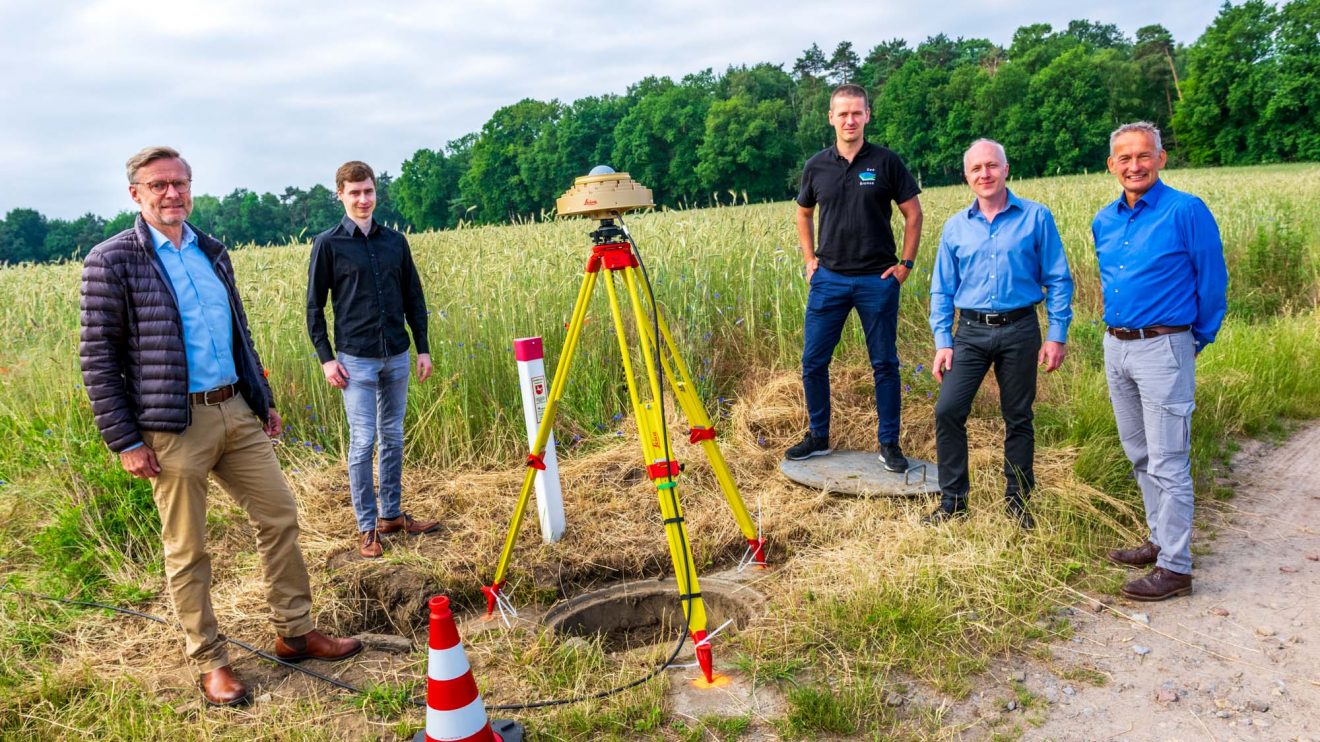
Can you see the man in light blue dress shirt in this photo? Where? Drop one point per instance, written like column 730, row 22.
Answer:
column 997, row 260
column 1165, row 291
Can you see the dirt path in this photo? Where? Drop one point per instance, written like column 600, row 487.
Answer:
column 1238, row 659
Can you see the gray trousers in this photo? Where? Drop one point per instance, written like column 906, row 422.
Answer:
column 1152, row 383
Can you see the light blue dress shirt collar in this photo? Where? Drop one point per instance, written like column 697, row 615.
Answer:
column 159, row 240
column 974, row 210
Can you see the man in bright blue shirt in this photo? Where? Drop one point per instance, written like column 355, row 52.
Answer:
column 1164, row 282
column 997, row 260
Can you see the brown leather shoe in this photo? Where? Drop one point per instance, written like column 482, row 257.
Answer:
column 1138, row 557
column 370, row 547
column 407, row 524
column 1159, row 584
column 221, row 687
column 315, row 646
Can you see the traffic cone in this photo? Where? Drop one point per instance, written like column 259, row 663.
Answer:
column 454, row 710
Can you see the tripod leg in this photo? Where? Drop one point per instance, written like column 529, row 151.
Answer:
column 534, row 463
column 703, row 431
column 663, row 471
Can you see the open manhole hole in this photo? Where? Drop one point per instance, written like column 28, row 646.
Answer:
column 646, row 613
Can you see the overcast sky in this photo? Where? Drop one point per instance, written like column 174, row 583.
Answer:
column 263, row 94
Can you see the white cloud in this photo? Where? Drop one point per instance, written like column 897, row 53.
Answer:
column 266, row 94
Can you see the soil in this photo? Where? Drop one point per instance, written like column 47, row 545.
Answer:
column 1233, row 661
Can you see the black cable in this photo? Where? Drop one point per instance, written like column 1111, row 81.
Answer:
column 236, row 642
column 339, row 683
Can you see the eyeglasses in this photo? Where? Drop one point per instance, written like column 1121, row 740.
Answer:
column 160, row 187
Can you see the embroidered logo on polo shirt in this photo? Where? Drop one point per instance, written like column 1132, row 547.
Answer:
column 866, row 178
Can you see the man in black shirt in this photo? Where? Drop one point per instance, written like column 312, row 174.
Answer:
column 855, row 267
column 368, row 272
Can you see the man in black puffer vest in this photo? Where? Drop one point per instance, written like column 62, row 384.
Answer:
column 178, row 391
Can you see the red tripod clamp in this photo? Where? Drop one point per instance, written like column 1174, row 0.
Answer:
column 697, row 435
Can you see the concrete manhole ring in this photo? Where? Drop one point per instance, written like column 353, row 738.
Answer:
column 645, row 613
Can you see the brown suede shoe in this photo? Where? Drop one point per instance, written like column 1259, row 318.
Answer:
column 315, row 646
column 1159, row 584
column 370, row 547
column 221, row 687
column 1138, row 557
column 407, row 524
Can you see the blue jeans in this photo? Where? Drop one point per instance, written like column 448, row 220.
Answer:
column 831, row 298
column 374, row 402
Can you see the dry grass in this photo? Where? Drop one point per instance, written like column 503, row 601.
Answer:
column 827, row 550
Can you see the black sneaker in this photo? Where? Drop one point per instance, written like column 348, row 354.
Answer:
column 1017, row 510
column 939, row 515
column 892, row 457
column 811, row 445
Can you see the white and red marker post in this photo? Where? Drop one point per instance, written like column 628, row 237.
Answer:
column 535, row 393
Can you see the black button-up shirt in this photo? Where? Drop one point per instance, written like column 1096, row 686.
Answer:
column 856, row 201
column 373, row 287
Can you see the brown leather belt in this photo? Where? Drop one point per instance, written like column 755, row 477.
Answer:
column 1141, row 333
column 213, row 396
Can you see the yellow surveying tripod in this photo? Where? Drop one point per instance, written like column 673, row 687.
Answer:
column 606, row 196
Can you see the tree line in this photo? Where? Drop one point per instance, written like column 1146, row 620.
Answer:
column 1244, row 92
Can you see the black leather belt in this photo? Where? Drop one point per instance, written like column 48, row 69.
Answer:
column 1141, row 333
column 213, row 396
column 996, row 319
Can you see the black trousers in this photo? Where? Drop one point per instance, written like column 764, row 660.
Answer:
column 1011, row 350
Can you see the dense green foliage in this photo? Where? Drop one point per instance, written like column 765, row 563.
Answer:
column 1245, row 92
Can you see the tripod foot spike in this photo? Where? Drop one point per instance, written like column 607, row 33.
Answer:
column 757, row 545
column 492, row 592
column 704, row 657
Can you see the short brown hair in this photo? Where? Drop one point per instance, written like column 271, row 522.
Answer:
column 149, row 155
column 351, row 172
column 849, row 90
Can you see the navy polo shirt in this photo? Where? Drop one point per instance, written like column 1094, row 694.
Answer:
column 856, row 202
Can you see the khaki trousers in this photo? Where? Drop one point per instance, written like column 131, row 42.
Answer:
column 226, row 441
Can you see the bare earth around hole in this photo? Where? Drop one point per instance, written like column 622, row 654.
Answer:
column 1238, row 659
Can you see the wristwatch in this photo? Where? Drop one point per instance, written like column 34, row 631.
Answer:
column 906, row 264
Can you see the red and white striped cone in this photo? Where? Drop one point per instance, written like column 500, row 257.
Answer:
column 454, row 710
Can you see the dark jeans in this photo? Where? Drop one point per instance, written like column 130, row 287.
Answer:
column 1012, row 351
column 831, row 298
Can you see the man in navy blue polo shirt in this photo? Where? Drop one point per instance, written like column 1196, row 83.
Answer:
column 997, row 260
column 854, row 265
column 1164, row 281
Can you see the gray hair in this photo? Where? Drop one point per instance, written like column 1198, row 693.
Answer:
column 1145, row 127
column 149, row 155
column 1003, row 156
